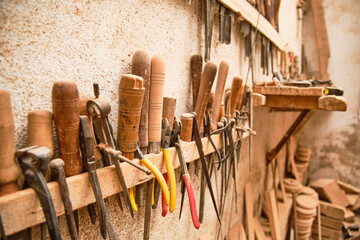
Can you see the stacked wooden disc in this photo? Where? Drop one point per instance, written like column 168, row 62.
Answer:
column 292, row 185
column 306, row 207
column 302, row 158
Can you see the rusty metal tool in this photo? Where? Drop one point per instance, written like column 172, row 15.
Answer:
column 196, row 68
column 58, row 174
column 34, row 163
column 177, row 128
column 87, row 152
column 209, row 21
column 65, row 101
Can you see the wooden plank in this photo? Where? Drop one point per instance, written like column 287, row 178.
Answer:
column 292, row 102
column 329, row 222
column 291, row 157
column 22, row 209
column 273, row 214
column 332, row 210
column 249, row 211
column 348, row 188
column 251, row 15
column 236, row 232
column 329, row 190
column 326, row 232
column 332, row 103
column 352, row 198
column 258, row 100
column 259, row 231
column 349, row 216
column 289, row 91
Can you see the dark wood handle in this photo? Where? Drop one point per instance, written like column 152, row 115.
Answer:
column 196, row 73
column 156, row 97
column 210, row 102
column 65, row 101
column 187, row 126
column 169, row 105
column 40, row 129
column 9, row 173
column 131, row 94
column 141, row 66
column 219, row 90
column 204, row 90
column 235, row 92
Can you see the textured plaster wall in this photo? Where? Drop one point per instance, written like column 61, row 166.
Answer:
column 87, row 41
column 335, row 136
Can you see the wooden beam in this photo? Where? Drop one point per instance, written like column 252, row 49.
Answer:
column 258, row 100
column 251, row 15
column 289, row 91
column 332, row 103
column 22, row 209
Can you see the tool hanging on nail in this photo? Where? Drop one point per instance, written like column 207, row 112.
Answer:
column 209, row 21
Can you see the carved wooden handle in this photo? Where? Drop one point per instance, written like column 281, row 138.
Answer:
column 156, row 97
column 204, row 90
column 169, row 110
column 235, row 92
column 187, row 125
column 40, row 129
column 219, row 90
column 65, row 101
column 131, row 94
column 9, row 173
column 141, row 66
column 196, row 66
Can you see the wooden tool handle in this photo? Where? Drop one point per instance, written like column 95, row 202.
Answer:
column 196, row 66
column 9, row 173
column 273, row 82
column 169, row 105
column 238, row 105
column 65, row 101
column 187, row 125
column 131, row 94
column 141, row 66
column 40, row 129
column 219, row 90
column 210, row 102
column 222, row 112
column 235, row 92
column 156, row 97
column 204, row 90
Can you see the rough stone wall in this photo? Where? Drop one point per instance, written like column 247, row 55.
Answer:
column 88, row 41
column 335, row 136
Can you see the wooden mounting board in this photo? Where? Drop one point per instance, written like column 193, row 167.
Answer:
column 22, row 209
column 251, row 15
column 289, row 91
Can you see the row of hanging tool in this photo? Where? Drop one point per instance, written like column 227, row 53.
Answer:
column 146, row 124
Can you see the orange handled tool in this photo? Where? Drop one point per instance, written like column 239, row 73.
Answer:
column 65, row 101
column 235, row 92
column 9, row 173
column 187, row 126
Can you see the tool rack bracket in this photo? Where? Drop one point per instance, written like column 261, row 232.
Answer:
column 22, row 209
column 250, row 14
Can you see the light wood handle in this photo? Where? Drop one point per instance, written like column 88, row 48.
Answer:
column 235, row 92
column 196, row 66
column 204, row 90
column 65, row 102
column 40, row 129
column 169, row 110
column 219, row 90
column 131, row 94
column 187, row 125
column 9, row 173
column 141, row 66
column 238, row 106
column 156, row 97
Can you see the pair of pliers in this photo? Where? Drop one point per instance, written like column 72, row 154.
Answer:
column 175, row 140
column 170, row 175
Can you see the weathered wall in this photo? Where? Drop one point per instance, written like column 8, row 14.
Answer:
column 89, row 41
column 335, row 136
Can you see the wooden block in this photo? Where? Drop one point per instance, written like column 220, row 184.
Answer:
column 352, row 198
column 273, row 214
column 329, row 190
column 326, row 232
column 332, row 103
column 332, row 210
column 349, row 216
column 259, row 231
column 329, row 222
column 348, row 188
column 292, row 102
column 249, row 211
column 236, row 232
column 258, row 100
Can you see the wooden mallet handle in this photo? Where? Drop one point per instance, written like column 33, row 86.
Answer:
column 196, row 66
column 131, row 94
column 9, row 173
column 187, row 125
column 235, row 92
column 141, row 66
column 204, row 90
column 169, row 105
column 219, row 90
column 156, row 101
column 65, row 101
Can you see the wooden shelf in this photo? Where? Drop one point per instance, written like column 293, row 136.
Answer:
column 297, row 98
column 250, row 14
